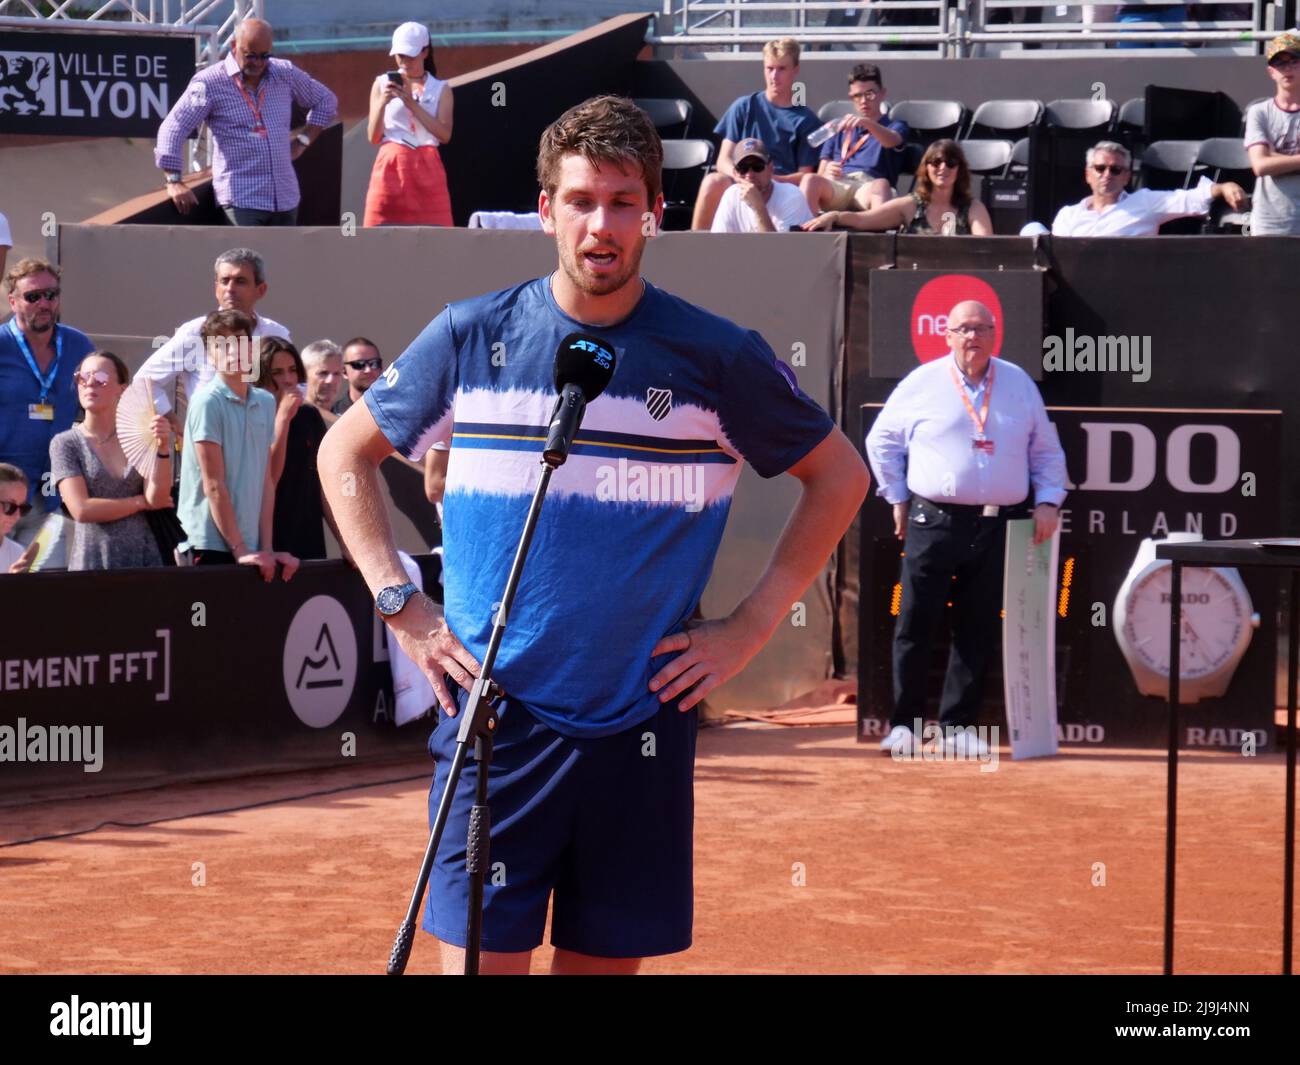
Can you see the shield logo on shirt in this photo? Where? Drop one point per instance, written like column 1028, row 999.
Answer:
column 658, row 401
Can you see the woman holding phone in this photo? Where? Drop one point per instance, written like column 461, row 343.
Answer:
column 410, row 115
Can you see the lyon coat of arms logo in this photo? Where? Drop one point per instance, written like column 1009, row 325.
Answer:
column 21, row 77
column 658, row 401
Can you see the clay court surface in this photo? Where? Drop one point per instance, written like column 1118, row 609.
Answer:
column 905, row 868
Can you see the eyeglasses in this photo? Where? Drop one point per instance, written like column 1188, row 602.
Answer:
column 38, row 294
column 950, row 163
column 91, row 377
column 869, row 94
column 1283, row 60
column 971, row 330
column 1102, row 168
column 262, row 56
column 8, row 508
column 750, row 168
column 365, row 364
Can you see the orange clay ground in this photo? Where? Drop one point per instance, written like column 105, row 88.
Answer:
column 916, row 868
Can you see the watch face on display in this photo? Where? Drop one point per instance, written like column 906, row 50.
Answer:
column 1214, row 620
column 391, row 600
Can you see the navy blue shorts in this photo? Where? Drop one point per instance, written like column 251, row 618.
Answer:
column 606, row 824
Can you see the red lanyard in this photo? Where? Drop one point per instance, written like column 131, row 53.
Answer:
column 981, row 419
column 254, row 105
column 845, row 156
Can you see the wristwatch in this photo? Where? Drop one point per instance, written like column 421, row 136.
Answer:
column 173, row 176
column 1218, row 621
column 390, row 600
column 303, row 139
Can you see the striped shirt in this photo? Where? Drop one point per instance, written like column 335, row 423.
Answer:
column 250, row 169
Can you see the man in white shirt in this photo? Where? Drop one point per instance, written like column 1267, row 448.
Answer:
column 1112, row 212
column 240, row 284
column 1273, row 144
column 757, row 203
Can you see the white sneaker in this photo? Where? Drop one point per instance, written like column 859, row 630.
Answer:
column 900, row 740
column 963, row 744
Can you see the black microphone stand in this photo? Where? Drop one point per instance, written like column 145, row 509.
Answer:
column 479, row 721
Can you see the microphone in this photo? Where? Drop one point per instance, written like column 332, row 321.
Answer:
column 584, row 365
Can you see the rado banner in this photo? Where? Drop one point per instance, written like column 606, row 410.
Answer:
column 106, row 85
column 1135, row 474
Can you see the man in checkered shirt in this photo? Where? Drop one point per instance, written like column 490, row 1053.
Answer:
column 247, row 102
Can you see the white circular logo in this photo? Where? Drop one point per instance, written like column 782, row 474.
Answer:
column 320, row 661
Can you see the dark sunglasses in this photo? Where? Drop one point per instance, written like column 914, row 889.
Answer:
column 38, row 294
column 1102, row 168
column 951, row 164
column 365, row 364
column 91, row 377
column 263, row 56
column 1284, row 59
column 23, row 508
column 750, row 168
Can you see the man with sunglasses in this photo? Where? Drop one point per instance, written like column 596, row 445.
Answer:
column 1111, row 211
column 362, row 365
column 1273, row 143
column 758, row 203
column 38, row 398
column 247, row 102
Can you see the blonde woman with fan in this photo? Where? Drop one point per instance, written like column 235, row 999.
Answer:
column 104, row 492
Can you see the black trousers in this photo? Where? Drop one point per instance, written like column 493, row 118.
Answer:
column 951, row 554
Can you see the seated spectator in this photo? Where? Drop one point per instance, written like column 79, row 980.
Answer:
column 181, row 366
column 940, row 203
column 38, row 398
column 1112, row 212
column 1273, row 143
column 227, row 491
column 772, row 117
column 323, row 361
column 105, row 494
column 6, row 242
column 362, row 365
column 299, row 428
column 860, row 164
column 1130, row 15
column 13, row 506
column 409, row 117
column 757, row 203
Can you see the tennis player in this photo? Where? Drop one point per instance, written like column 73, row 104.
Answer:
column 591, row 781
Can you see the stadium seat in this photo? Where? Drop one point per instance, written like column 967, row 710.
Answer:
column 1130, row 123
column 1020, row 155
column 686, row 161
column 1093, row 117
column 1168, row 164
column 666, row 113
column 834, row 109
column 1226, row 159
column 1257, row 100
column 1004, row 119
column 987, row 157
column 930, row 120
column 907, row 168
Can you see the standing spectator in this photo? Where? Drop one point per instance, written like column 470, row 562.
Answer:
column 757, row 203
column 361, row 365
column 859, row 165
column 409, row 118
column 1273, row 142
column 296, row 525
column 6, row 242
column 227, row 492
column 13, row 507
column 38, row 398
column 182, row 362
column 105, row 494
column 247, row 102
column 323, row 361
column 771, row 116
column 939, row 204
column 956, row 453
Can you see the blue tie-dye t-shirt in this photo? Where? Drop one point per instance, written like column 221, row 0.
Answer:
column 631, row 523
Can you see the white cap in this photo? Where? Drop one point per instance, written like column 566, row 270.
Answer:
column 410, row 38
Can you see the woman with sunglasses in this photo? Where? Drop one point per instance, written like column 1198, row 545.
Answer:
column 106, row 495
column 939, row 203
column 410, row 115
column 299, row 428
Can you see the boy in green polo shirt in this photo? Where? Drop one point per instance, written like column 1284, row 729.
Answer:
column 227, row 492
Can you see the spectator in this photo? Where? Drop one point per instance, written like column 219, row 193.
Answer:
column 182, row 363
column 227, row 493
column 247, row 102
column 323, row 361
column 772, row 117
column 6, row 242
column 1132, row 15
column 299, row 428
column 105, row 494
column 1273, row 142
column 361, row 365
column 860, row 164
column 940, row 203
column 38, row 398
column 13, row 506
column 757, row 203
column 1112, row 212
column 409, row 118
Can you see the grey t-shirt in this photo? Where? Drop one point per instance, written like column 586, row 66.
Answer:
column 1275, row 206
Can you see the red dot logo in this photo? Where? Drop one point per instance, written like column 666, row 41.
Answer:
column 930, row 310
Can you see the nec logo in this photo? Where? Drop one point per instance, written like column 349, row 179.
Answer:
column 1099, row 466
column 936, row 299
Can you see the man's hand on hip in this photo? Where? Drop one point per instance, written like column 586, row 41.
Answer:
column 900, row 519
column 423, row 635
column 712, row 652
column 1046, row 518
